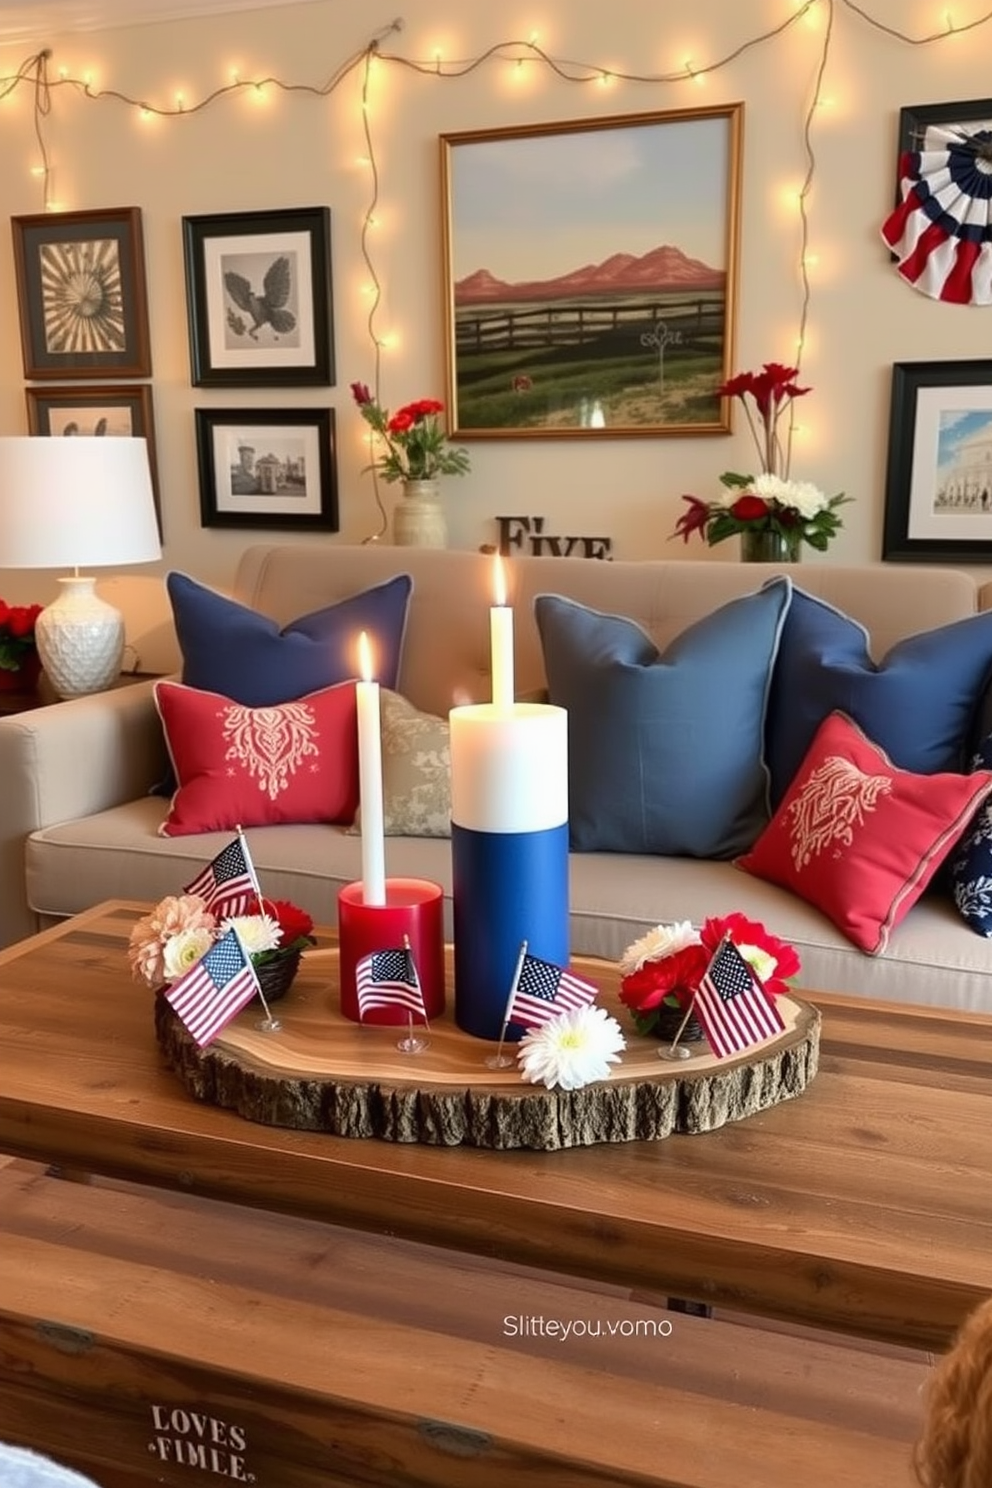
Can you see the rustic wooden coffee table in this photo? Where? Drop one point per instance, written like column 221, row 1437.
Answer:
column 864, row 1207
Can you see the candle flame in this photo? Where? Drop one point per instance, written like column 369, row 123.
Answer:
column 365, row 658
column 499, row 580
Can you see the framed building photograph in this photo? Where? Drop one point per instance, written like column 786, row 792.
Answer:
column 273, row 467
column 81, row 294
column 938, row 501
column 590, row 275
column 259, row 298
column 100, row 412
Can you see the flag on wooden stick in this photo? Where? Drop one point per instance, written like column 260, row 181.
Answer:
column 215, row 988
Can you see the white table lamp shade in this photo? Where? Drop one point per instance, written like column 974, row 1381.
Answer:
column 77, row 503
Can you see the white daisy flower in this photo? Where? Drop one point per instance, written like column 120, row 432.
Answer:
column 571, row 1050
column 662, row 941
column 256, row 932
column 182, row 951
column 800, row 496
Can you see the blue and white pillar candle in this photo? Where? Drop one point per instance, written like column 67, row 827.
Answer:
column 509, row 846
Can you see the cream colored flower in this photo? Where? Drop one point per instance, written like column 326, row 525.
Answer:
column 184, row 950
column 660, row 942
column 256, row 932
column 761, row 963
column 571, row 1050
column 800, row 496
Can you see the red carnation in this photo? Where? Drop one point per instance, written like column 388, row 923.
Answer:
column 294, row 922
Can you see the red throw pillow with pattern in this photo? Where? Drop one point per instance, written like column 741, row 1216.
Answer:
column 860, row 838
column 253, row 767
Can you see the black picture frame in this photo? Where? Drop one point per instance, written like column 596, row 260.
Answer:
column 107, row 410
column 260, row 299
column 81, row 294
column 916, row 118
column 296, row 488
column 938, row 498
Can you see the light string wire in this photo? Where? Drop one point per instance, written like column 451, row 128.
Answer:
column 34, row 72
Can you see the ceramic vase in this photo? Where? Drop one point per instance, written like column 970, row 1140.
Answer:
column 418, row 517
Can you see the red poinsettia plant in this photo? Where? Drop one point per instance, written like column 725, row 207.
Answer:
column 415, row 445
column 663, row 968
column 17, row 640
column 795, row 510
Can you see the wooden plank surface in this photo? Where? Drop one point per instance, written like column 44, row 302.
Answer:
column 342, row 1358
column 864, row 1206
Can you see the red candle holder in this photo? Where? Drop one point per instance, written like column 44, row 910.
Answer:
column 414, row 908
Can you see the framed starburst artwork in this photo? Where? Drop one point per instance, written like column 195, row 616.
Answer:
column 81, row 294
column 258, row 290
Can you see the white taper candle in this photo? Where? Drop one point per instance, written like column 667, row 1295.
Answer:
column 501, row 641
column 370, row 779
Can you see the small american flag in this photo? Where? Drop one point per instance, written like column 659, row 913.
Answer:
column 388, row 979
column 227, row 885
column 542, row 990
column 732, row 1006
column 213, row 991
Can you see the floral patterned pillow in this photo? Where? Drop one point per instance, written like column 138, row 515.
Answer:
column 416, row 771
column 970, row 868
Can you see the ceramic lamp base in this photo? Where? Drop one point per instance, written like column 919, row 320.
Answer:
column 80, row 640
column 414, row 909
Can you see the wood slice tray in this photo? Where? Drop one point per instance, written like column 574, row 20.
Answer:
column 322, row 1072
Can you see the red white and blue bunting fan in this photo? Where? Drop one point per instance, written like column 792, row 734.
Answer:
column 941, row 232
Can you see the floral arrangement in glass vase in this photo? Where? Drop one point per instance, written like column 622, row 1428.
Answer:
column 180, row 929
column 785, row 512
column 18, row 649
column 416, row 447
column 661, row 971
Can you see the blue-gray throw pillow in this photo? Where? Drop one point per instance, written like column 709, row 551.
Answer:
column 665, row 749
column 969, row 870
column 919, row 704
column 231, row 649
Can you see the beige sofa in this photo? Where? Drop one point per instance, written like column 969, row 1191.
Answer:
column 77, row 824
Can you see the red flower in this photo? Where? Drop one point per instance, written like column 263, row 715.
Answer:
column 749, row 508
column 678, row 974
column 694, row 520
column 294, row 922
column 401, row 422
column 360, row 393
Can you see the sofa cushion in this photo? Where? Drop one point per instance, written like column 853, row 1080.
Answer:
column 860, row 838
column 969, row 874
column 231, row 649
column 665, row 749
column 239, row 766
column 919, row 703
column 416, row 770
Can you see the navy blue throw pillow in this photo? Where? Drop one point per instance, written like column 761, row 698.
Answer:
column 231, row 649
column 919, row 703
column 969, row 871
column 665, row 749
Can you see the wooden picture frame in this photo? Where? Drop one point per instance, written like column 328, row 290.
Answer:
column 81, row 294
column 259, row 298
column 269, row 467
column 115, row 410
column 938, row 501
column 583, row 300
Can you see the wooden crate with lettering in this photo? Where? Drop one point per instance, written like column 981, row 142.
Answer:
column 148, row 1338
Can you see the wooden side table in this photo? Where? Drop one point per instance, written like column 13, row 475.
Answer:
column 44, row 693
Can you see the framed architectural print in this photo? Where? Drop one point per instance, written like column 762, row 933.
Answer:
column 272, row 467
column 938, row 502
column 81, row 294
column 259, row 297
column 584, row 294
column 64, row 412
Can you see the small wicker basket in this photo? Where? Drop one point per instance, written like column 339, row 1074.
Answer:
column 276, row 977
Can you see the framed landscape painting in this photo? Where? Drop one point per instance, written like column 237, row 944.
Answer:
column 81, row 294
column 272, row 467
column 590, row 275
column 938, row 502
column 258, row 288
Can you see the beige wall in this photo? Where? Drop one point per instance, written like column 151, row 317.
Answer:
column 294, row 149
